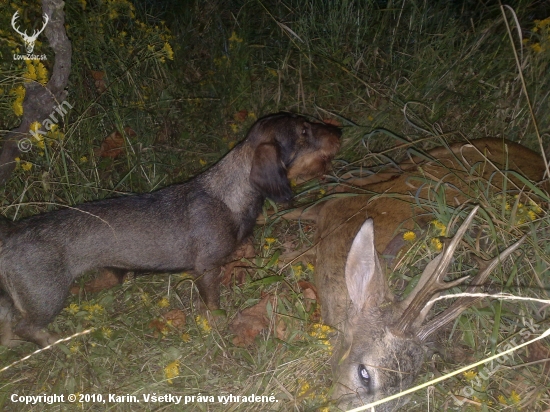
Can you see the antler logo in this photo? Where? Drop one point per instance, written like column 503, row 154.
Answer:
column 29, row 40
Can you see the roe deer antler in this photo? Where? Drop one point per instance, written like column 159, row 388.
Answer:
column 465, row 302
column 431, row 282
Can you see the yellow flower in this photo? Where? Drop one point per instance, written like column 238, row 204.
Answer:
column 235, row 38
column 304, row 387
column 74, row 348
column 224, row 60
column 83, row 159
column 17, row 160
column 502, row 400
column 203, row 323
column 186, row 337
column 542, row 23
column 73, row 308
column 297, row 270
column 30, row 74
column 172, row 370
column 270, row 240
column 252, row 115
column 436, row 243
column 202, row 162
column 19, row 91
column 470, row 375
column 26, row 166
column 168, row 50
column 163, row 303
column 106, row 332
column 56, row 134
column 93, row 309
column 409, row 236
column 536, row 47
column 310, row 267
column 18, row 107
column 514, row 397
column 41, row 73
column 234, row 127
column 532, row 215
column 273, row 72
column 320, row 331
column 145, row 298
column 440, row 226
column 35, row 126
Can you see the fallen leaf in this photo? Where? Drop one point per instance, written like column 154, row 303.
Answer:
column 158, row 326
column 176, row 318
column 538, row 352
column 281, row 331
column 99, row 80
column 250, row 322
column 308, row 289
column 106, row 279
column 113, row 145
column 240, row 116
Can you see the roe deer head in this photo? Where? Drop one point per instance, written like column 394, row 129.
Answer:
column 382, row 349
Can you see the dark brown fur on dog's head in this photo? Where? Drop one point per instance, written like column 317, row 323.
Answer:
column 290, row 149
column 194, row 226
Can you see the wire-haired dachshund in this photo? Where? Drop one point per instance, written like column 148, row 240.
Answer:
column 193, row 226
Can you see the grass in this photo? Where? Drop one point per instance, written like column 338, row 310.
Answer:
column 397, row 75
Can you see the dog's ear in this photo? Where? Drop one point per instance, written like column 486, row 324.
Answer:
column 268, row 173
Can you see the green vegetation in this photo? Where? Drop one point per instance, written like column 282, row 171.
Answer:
column 182, row 82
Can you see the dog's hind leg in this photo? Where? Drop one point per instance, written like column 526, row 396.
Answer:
column 32, row 309
column 13, row 332
column 7, row 320
column 35, row 333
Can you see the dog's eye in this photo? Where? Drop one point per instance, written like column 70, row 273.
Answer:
column 364, row 377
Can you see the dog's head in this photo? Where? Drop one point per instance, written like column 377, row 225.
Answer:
column 288, row 146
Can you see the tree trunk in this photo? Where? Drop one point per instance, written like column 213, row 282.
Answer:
column 40, row 100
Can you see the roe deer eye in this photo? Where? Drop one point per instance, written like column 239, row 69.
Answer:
column 364, row 377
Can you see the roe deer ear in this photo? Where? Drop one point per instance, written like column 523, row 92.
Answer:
column 365, row 279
